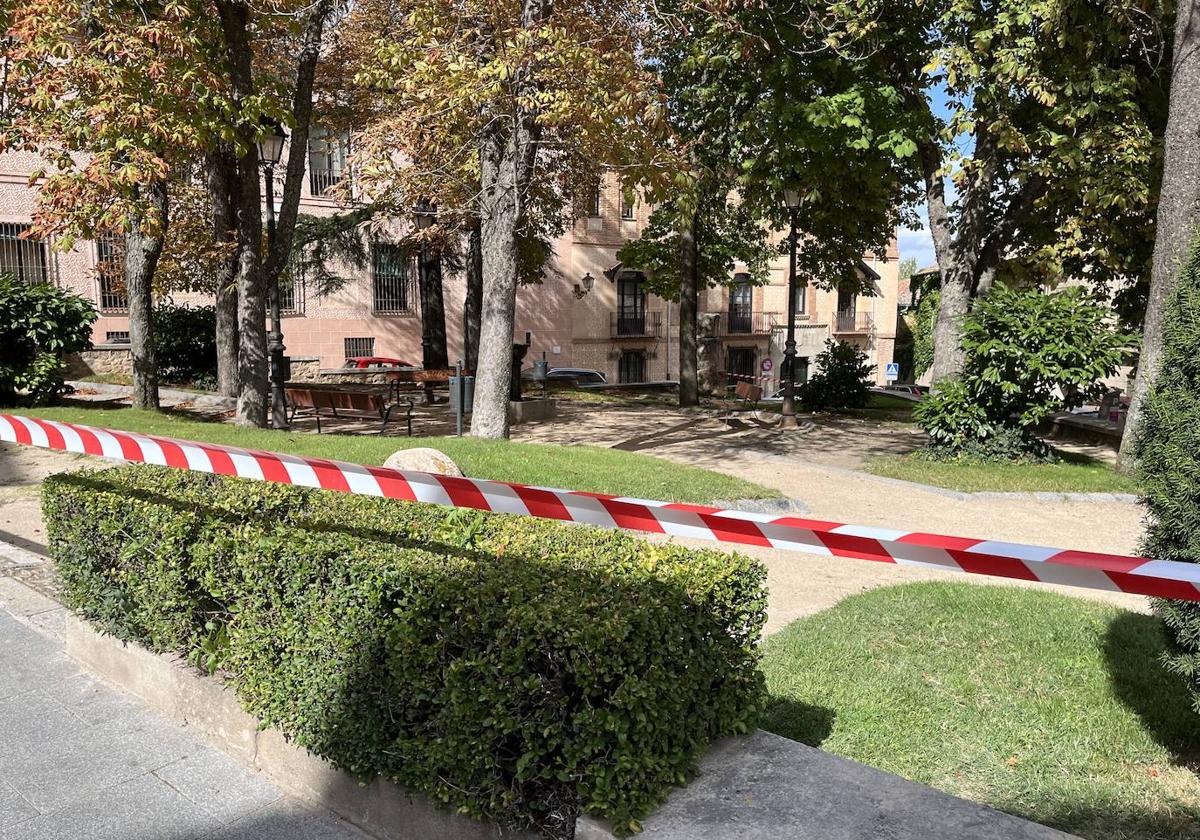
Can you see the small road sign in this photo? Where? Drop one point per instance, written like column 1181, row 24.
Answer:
column 893, row 371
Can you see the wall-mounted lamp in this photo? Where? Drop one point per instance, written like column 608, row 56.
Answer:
column 584, row 286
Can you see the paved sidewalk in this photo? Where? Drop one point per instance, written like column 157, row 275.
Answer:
column 80, row 761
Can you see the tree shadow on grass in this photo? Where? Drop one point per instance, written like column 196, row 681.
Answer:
column 1134, row 646
column 798, row 721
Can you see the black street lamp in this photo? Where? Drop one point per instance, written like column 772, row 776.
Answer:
column 792, row 198
column 270, row 152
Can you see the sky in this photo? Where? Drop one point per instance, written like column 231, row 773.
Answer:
column 916, row 242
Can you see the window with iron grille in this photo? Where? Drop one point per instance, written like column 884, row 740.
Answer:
column 391, row 279
column 116, row 337
column 739, row 364
column 357, row 348
column 110, row 271
column 22, row 259
column 291, row 296
column 631, row 367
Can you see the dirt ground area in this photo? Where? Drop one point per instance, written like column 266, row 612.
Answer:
column 815, row 465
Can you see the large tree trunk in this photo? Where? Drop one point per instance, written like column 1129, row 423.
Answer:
column 689, row 293
column 970, row 248
column 433, row 311
column 506, row 161
column 955, row 276
column 302, row 109
column 474, row 298
column 1178, row 208
column 221, row 168
column 498, row 238
column 252, row 304
column 142, row 250
column 953, row 307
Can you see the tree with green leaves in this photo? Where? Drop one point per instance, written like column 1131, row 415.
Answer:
column 115, row 96
column 1166, row 448
column 1036, row 124
column 1027, row 354
column 758, row 102
column 722, row 233
column 1178, row 208
column 505, row 114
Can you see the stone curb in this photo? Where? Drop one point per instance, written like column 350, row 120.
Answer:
column 763, row 505
column 958, row 495
column 174, row 394
column 214, row 712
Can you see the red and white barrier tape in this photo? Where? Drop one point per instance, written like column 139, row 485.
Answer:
column 1111, row 572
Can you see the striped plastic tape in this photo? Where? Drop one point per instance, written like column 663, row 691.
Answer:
column 1110, row 572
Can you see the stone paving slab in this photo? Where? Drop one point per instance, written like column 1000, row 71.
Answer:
column 765, row 787
column 80, row 761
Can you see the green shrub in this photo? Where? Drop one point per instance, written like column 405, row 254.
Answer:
column 185, row 344
column 39, row 324
column 1168, row 469
column 516, row 669
column 1028, row 354
column 842, row 380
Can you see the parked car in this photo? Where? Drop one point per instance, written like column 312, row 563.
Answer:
column 374, row 362
column 904, row 392
column 583, row 376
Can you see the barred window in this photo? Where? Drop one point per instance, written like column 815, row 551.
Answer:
column 291, row 295
column 110, row 271
column 22, row 259
column 631, row 367
column 357, row 348
column 116, row 337
column 391, row 279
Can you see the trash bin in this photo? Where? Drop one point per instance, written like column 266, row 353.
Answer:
column 540, row 368
column 468, row 393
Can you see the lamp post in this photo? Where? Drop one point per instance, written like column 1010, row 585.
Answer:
column 270, row 151
column 791, row 195
column 424, row 214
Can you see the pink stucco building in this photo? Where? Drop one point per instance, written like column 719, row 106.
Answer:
column 615, row 328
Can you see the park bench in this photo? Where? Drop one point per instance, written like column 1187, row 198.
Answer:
column 314, row 401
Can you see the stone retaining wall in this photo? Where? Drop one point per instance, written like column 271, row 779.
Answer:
column 101, row 359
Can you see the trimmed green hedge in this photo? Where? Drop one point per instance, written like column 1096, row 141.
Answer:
column 516, row 669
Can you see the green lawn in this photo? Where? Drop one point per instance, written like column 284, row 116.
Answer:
column 1073, row 474
column 573, row 468
column 1041, row 705
column 883, row 407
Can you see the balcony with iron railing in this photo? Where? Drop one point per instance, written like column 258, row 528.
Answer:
column 738, row 321
column 321, row 181
column 850, row 322
column 636, row 325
